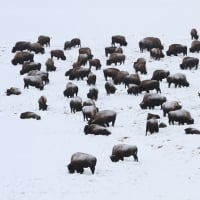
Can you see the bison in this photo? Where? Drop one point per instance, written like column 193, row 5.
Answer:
column 75, row 42
column 76, row 104
column 59, row 54
column 91, row 79
column 35, row 81
column 110, row 88
column 110, row 50
column 13, row 90
column 192, row 131
column 89, row 111
column 150, row 43
column 21, row 57
column 29, row 115
column 147, row 85
column 96, row 129
column 42, row 101
column 195, row 46
column 116, row 58
column 152, row 126
column 29, row 66
column 96, row 63
column 44, row 40
column 20, row 46
column 93, row 93
column 160, row 74
column 175, row 49
column 119, row 39
column 36, row 48
column 43, row 75
column 50, row 65
column 170, row 106
column 119, row 77
column 194, row 34
column 189, row 62
column 131, row 79
column 178, row 79
column 110, row 72
column 133, row 89
column 70, row 90
column 156, row 53
column 140, row 66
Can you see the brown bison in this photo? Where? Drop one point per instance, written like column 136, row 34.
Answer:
column 131, row 79
column 110, row 50
column 110, row 88
column 29, row 66
column 44, row 40
column 96, row 63
column 59, row 54
column 194, row 34
column 13, row 90
column 42, row 101
column 89, row 111
column 91, row 79
column 93, row 93
column 160, row 74
column 70, row 90
column 44, row 75
column 175, row 49
column 156, row 53
column 170, row 106
column 140, row 66
column 36, row 48
column 21, row 57
column 29, row 115
column 189, row 62
column 147, row 85
column 119, row 77
column 133, row 89
column 178, row 79
column 79, row 161
column 119, row 39
column 192, row 131
column 86, row 50
column 50, row 65
column 150, row 43
column 195, row 46
column 76, row 104
column 96, row 129
column 116, row 58
column 75, row 42
column 110, row 72
column 20, row 46
column 152, row 126
column 152, row 116
column 35, row 81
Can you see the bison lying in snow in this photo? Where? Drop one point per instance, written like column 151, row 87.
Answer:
column 119, row 39
column 42, row 101
column 180, row 116
column 96, row 129
column 170, row 106
column 21, row 57
column 178, row 79
column 189, row 62
column 59, row 54
column 175, row 49
column 194, row 34
column 192, row 131
column 29, row 115
column 149, row 43
column 13, row 90
column 120, row 151
column 152, row 126
column 79, row 161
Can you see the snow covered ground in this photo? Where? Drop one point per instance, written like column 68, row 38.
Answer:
column 34, row 154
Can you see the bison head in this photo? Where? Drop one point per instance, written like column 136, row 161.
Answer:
column 70, row 168
column 114, row 158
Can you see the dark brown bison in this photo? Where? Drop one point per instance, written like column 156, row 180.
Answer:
column 44, row 40
column 131, row 79
column 89, row 102
column 156, row 53
column 42, row 101
column 93, row 93
column 160, row 74
column 29, row 115
column 50, row 65
column 119, row 39
column 110, row 87
column 13, row 90
column 77, row 73
column 152, row 126
column 86, row 50
column 110, row 72
column 120, row 151
column 175, row 49
column 147, row 85
column 116, row 58
column 91, row 79
column 194, row 34
column 170, row 106
column 36, row 48
column 178, row 79
column 104, row 117
column 150, row 43
column 181, row 116
column 44, row 75
column 152, row 100
column 83, row 59
column 59, row 54
column 140, row 66
column 21, row 57
column 79, row 161
column 67, row 45
column 20, row 46
column 89, row 111
column 152, row 116
column 75, row 104
column 195, row 46
column 119, row 77
column 29, row 66
column 70, row 90
column 96, row 63
column 35, row 81
column 96, row 129
column 192, row 131
column 189, row 62
column 133, row 89
column 75, row 42
column 110, row 50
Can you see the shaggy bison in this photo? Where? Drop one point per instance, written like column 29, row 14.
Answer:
column 152, row 126
column 150, row 43
column 36, row 48
column 73, row 43
column 29, row 66
column 110, row 72
column 70, row 90
column 76, row 104
column 110, row 50
column 44, row 40
column 116, row 58
column 91, row 79
column 170, row 106
column 93, row 93
column 89, row 111
column 13, row 90
column 59, row 54
column 43, row 75
column 156, row 53
column 194, row 34
column 192, row 131
column 50, row 65
column 152, row 116
column 110, row 88
column 119, row 77
column 20, row 46
column 180, row 116
column 29, row 115
column 120, row 151
column 103, row 118
column 86, row 50
column 147, row 85
column 160, row 74
column 140, row 66
column 42, row 101
column 189, row 62
column 79, row 161
column 119, row 39
column 175, row 49
column 178, row 79
column 77, row 73
column 131, row 79
column 96, row 129
column 96, row 63
column 35, row 81
column 133, row 89
column 21, row 57
column 195, row 46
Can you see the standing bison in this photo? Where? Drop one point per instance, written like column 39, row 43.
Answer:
column 44, row 40
column 20, row 46
column 116, row 58
column 175, row 49
column 96, row 63
column 150, row 43
column 170, row 106
column 152, row 126
column 147, row 85
column 36, row 48
column 194, row 34
column 110, row 88
column 156, row 53
column 195, row 46
column 189, row 62
column 50, row 65
column 160, row 74
column 29, row 66
column 140, row 66
column 35, row 81
column 75, row 104
column 42, row 101
column 178, row 79
column 110, row 50
column 70, row 90
column 93, row 93
column 119, row 39
column 110, row 72
column 79, row 161
column 21, row 57
column 59, row 54
column 89, row 111
column 120, row 151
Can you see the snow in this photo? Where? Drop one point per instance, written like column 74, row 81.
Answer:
column 35, row 153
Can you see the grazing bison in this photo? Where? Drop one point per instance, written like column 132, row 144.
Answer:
column 147, row 85
column 194, row 34
column 150, row 43
column 75, row 42
column 119, row 77
column 21, row 57
column 76, row 104
column 110, row 50
column 86, row 50
column 13, row 90
column 50, row 65
column 180, row 116
column 67, row 45
column 83, row 59
column 89, row 102
column 119, row 39
column 178, row 79
column 160, row 74
column 131, row 79
column 140, row 66
column 35, row 81
column 44, row 40
column 170, row 106
column 89, row 112
column 91, row 79
column 133, row 89
column 156, row 53
column 93, row 93
column 192, row 131
column 20, row 46
column 120, row 151
column 96, row 63
column 103, row 118
column 152, row 126
column 189, row 62
column 29, row 66
column 59, row 54
column 195, row 46
column 70, row 90
column 110, row 88
column 36, row 48
column 79, row 161
column 152, row 100
column 116, row 58
column 29, row 115
column 96, row 129
column 43, row 75
column 42, row 101
column 162, row 125
column 78, row 73
column 175, row 49
column 152, row 116
column 110, row 72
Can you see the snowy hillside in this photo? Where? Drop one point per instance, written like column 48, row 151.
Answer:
column 35, row 153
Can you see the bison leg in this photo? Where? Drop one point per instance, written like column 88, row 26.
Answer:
column 135, row 157
column 92, row 168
